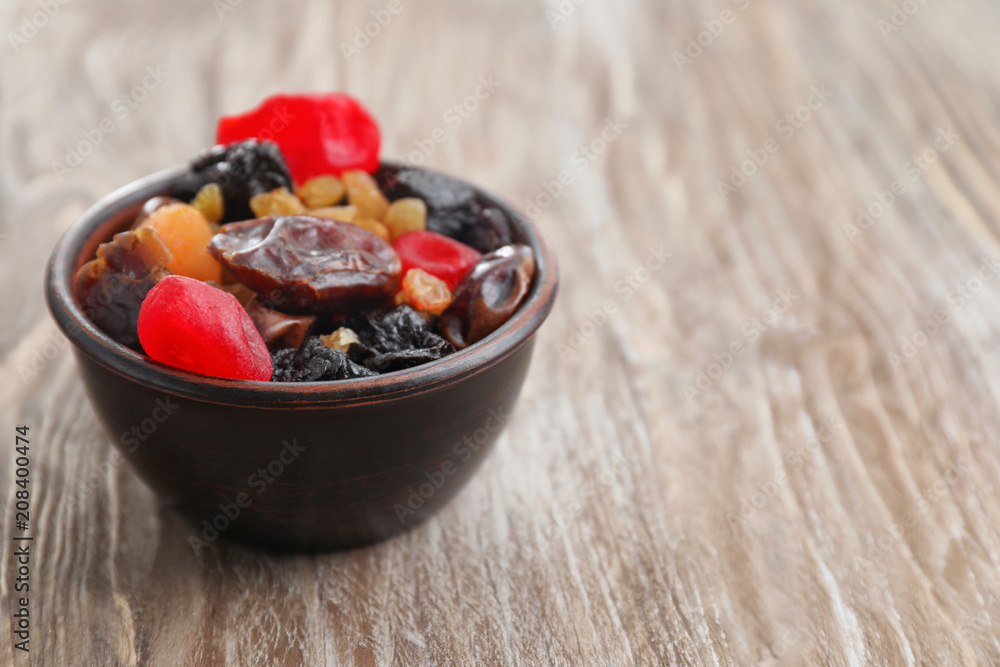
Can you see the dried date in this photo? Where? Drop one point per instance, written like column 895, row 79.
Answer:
column 312, row 264
column 488, row 295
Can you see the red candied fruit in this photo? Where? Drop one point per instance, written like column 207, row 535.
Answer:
column 436, row 254
column 318, row 134
column 191, row 325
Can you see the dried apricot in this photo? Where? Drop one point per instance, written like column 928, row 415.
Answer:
column 186, row 232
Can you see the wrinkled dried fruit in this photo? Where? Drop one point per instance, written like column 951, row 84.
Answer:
column 189, row 325
column 186, row 232
column 395, row 339
column 341, row 339
column 364, row 193
column 279, row 330
column 342, row 213
column 242, row 170
column 276, row 202
column 315, row 362
column 112, row 286
column 489, row 295
column 406, row 215
column 424, row 292
column 210, row 202
column 318, row 133
column 454, row 209
column 321, row 191
column 438, row 255
column 312, row 264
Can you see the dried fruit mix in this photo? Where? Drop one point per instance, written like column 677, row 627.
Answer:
column 282, row 255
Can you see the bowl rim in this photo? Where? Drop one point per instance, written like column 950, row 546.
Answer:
column 104, row 217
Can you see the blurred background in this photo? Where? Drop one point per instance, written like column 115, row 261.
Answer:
column 737, row 441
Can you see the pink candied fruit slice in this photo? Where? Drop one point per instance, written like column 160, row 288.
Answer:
column 318, row 133
column 191, row 325
column 437, row 254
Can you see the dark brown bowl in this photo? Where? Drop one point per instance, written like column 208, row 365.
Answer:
column 298, row 466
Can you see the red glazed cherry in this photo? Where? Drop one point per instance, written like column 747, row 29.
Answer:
column 318, row 133
column 193, row 326
column 436, row 254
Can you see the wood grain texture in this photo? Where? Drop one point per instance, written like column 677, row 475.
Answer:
column 819, row 501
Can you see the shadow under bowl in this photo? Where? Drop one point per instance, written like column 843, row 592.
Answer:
column 298, row 466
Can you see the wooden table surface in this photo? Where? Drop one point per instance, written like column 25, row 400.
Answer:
column 762, row 422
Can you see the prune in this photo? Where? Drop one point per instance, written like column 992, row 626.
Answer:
column 436, row 254
column 314, row 362
column 453, row 209
column 318, row 133
column 312, row 264
column 242, row 170
column 396, row 339
column 488, row 295
column 193, row 326
column 278, row 329
column 112, row 286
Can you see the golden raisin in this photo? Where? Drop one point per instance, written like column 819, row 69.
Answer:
column 425, row 292
column 341, row 339
column 342, row 213
column 373, row 226
column 277, row 202
column 210, row 202
column 321, row 191
column 406, row 215
column 186, row 232
column 363, row 192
